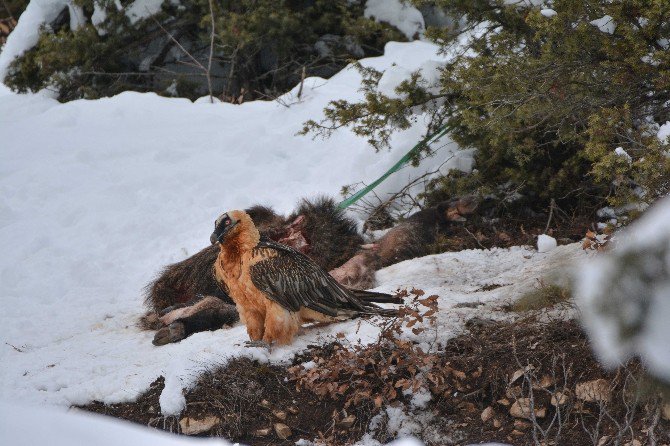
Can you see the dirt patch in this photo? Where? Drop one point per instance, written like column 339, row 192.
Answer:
column 248, row 398
column 480, row 232
column 333, row 391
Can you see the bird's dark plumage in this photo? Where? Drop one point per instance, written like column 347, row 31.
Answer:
column 293, row 280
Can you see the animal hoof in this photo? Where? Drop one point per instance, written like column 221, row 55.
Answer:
column 174, row 332
column 259, row 344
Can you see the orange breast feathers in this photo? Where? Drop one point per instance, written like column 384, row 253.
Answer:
column 265, row 320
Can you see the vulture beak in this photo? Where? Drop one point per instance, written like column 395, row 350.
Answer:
column 223, row 225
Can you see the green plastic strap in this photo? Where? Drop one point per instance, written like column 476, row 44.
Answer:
column 404, row 160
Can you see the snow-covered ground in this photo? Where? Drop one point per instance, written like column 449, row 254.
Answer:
column 95, row 196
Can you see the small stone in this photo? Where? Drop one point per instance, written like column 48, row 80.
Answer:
column 603, row 440
column 516, row 433
column 294, row 410
column 487, row 414
column 546, row 381
column 194, row 426
column 521, row 425
column 519, row 373
column 503, row 401
column 280, row 414
column 559, row 398
column 283, row 431
column 665, row 412
column 347, row 422
column 497, row 423
column 592, row 391
column 152, row 410
column 513, row 392
column 265, row 403
column 262, row 432
column 521, row 409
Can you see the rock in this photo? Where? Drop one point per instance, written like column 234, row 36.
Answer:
column 262, row 432
column 347, row 422
column 665, row 412
column 521, row 425
column 294, row 410
column 195, row 426
column 487, row 414
column 503, row 401
column 559, row 398
column 497, row 423
column 521, row 409
column 593, row 391
column 265, row 403
column 516, row 433
column 513, row 392
column 546, row 381
column 280, row 414
column 283, row 431
column 519, row 373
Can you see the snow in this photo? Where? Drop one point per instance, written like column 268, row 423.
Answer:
column 664, row 131
column 619, row 151
column 31, row 426
column 625, row 295
column 391, row 79
column 77, row 17
column 545, row 243
column 141, row 9
column 398, row 13
column 605, row 24
column 26, row 33
column 99, row 17
column 548, row 12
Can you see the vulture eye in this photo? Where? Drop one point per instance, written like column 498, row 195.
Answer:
column 227, row 221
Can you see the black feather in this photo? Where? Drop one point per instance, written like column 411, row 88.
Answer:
column 293, row 280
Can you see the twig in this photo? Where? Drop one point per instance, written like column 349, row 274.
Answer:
column 211, row 53
column 195, row 61
column 15, row 348
column 302, row 82
column 552, row 205
column 474, row 237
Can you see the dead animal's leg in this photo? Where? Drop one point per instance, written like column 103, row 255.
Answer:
column 204, row 313
column 172, row 333
column 280, row 325
column 193, row 306
column 207, row 319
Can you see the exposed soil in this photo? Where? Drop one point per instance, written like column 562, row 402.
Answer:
column 479, row 232
column 472, row 373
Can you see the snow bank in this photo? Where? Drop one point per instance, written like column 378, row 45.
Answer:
column 30, row 426
column 625, row 295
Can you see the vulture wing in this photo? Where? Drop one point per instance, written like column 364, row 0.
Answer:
column 293, row 280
